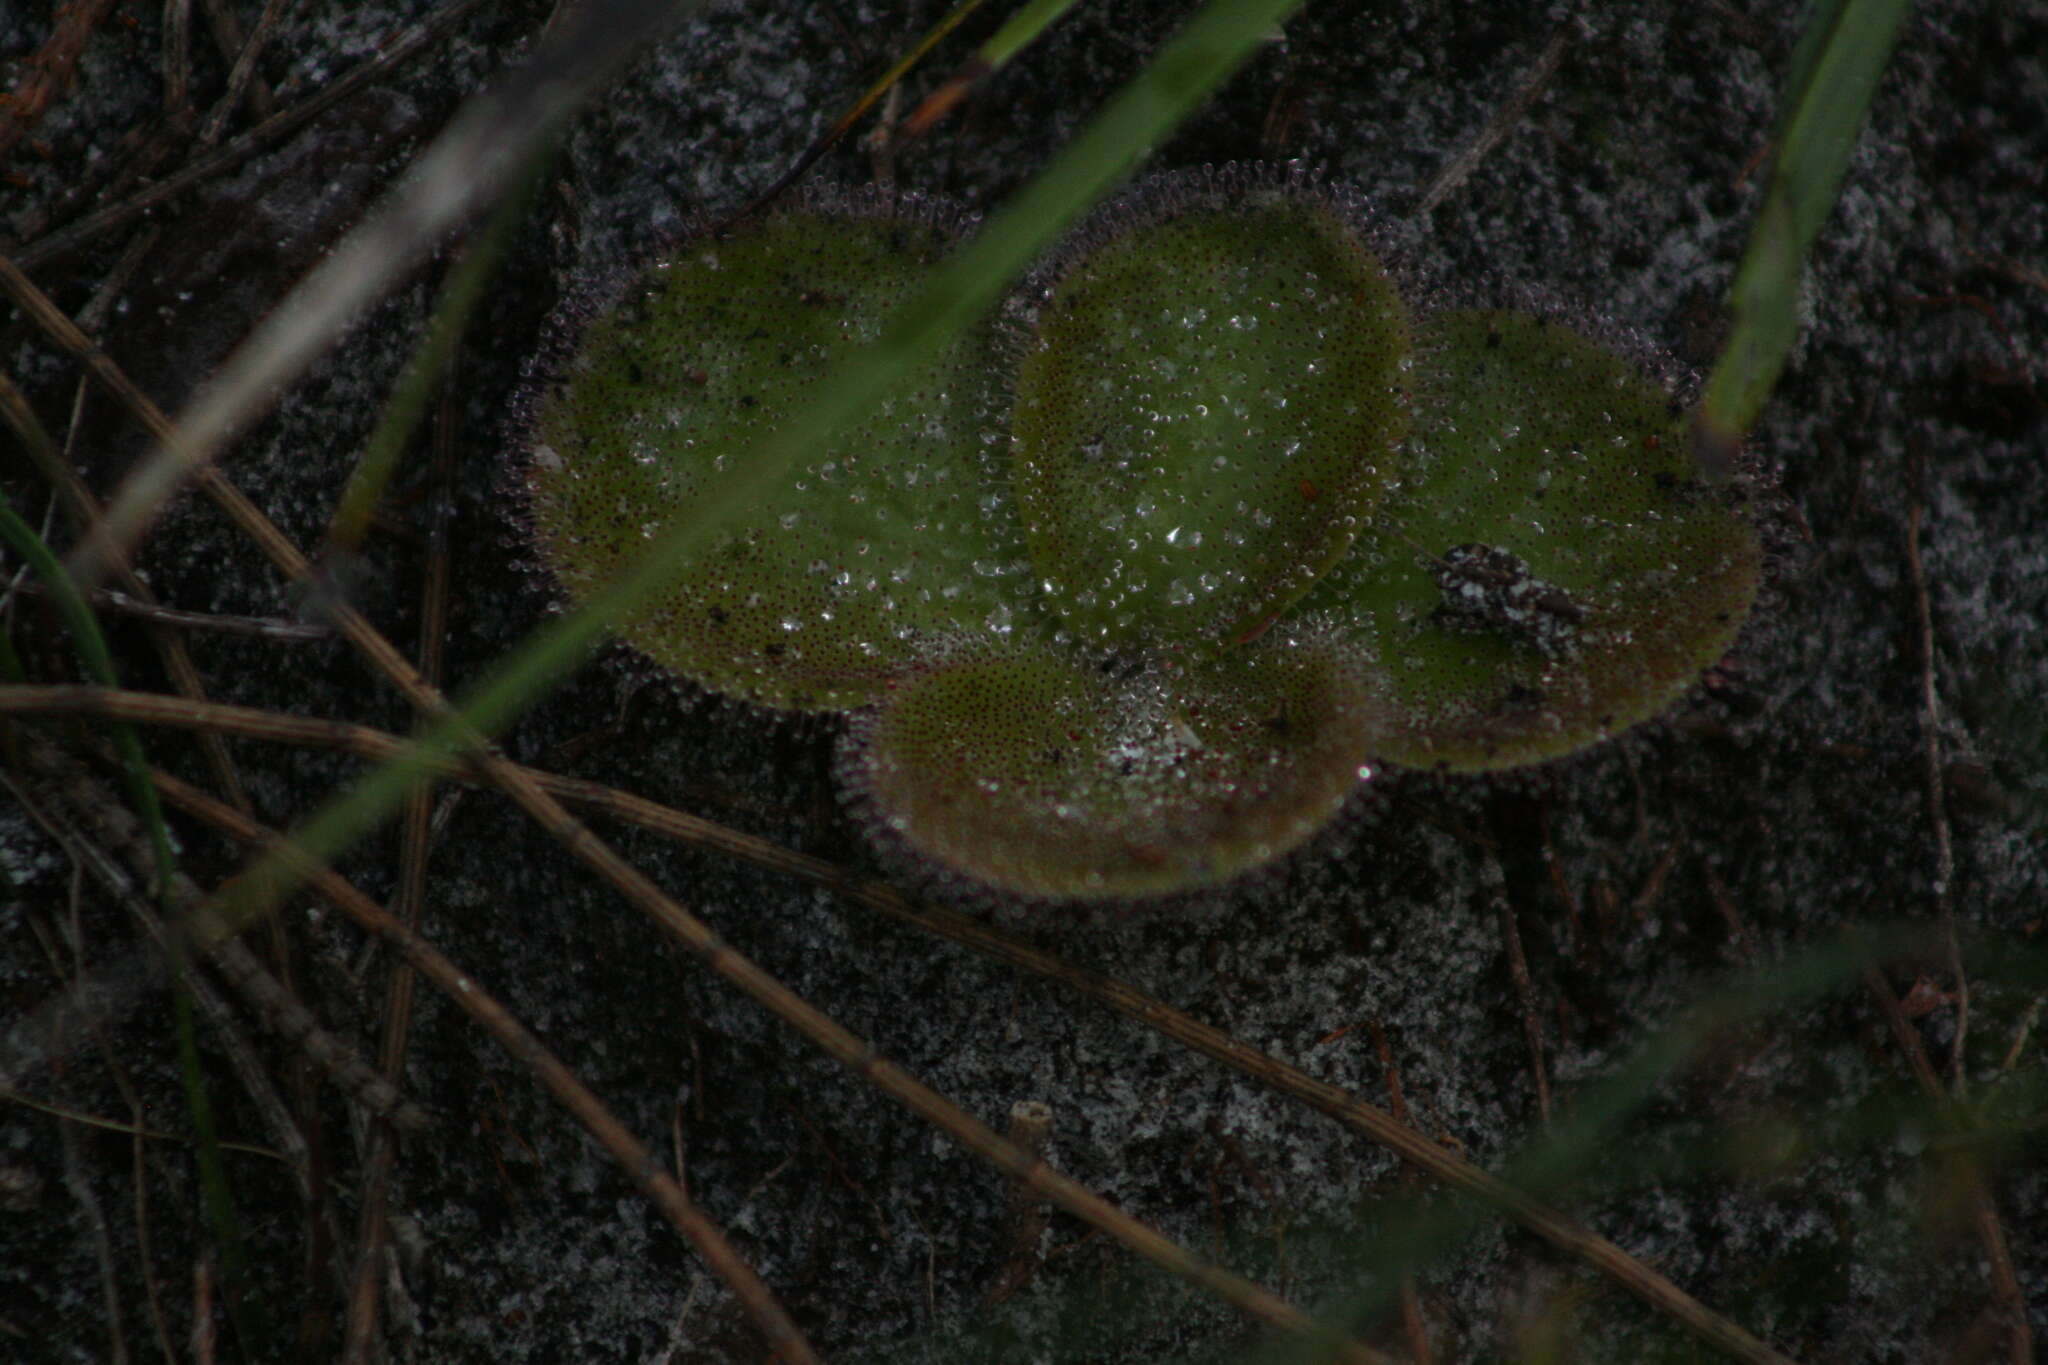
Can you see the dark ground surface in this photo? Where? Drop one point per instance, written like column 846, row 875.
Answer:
column 1782, row 1175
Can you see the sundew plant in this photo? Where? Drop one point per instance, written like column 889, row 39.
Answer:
column 1139, row 578
column 387, row 974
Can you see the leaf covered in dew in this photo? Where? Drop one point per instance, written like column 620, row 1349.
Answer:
column 1210, row 447
column 837, row 580
column 1042, row 777
column 1550, row 572
column 1207, row 404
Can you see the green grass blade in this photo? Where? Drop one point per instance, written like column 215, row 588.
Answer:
column 1020, row 30
column 215, row 1192
column 1834, row 75
column 461, row 291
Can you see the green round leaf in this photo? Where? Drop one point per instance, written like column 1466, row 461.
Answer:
column 902, row 532
column 1207, row 407
column 1035, row 775
column 1550, row 571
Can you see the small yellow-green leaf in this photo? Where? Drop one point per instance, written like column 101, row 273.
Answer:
column 1209, row 403
column 898, row 533
column 1834, row 74
column 1550, row 572
column 1032, row 774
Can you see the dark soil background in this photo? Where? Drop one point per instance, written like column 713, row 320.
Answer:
column 1784, row 1176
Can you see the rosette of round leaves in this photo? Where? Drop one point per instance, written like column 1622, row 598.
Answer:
column 896, row 535
column 1140, row 589
column 1551, row 570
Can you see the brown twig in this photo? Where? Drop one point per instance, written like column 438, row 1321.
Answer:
column 243, row 71
column 1560, row 884
column 177, row 64
column 845, row 1177
column 415, row 838
column 1937, row 786
column 51, row 71
column 1652, row 890
column 205, row 1331
column 2021, row 1032
column 1413, row 1325
column 1235, row 1155
column 1498, row 127
column 145, row 1254
column 1744, row 945
column 213, row 623
column 92, row 318
column 1518, row 971
column 230, row 41
column 1983, row 307
column 134, row 1127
